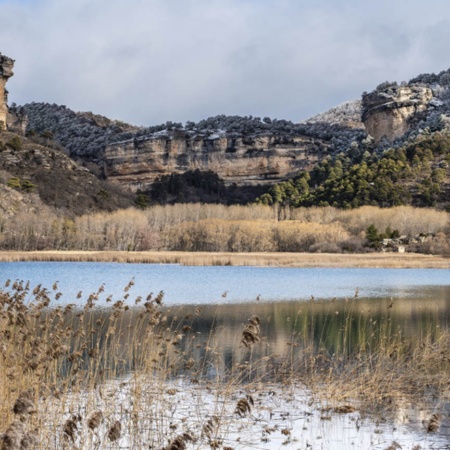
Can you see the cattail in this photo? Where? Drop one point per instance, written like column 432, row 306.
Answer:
column 159, row 298
column 13, row 436
column 71, row 427
column 114, row 431
column 94, row 420
column 433, row 423
column 30, row 440
column 24, row 404
column 345, row 409
column 130, row 284
column 244, row 406
column 179, row 443
column 209, row 426
column 250, row 334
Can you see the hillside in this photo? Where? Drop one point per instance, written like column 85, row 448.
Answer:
column 415, row 172
column 37, row 174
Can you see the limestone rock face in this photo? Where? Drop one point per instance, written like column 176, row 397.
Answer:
column 17, row 120
column 6, row 71
column 243, row 160
column 389, row 112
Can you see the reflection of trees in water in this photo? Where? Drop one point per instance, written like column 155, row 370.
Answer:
column 289, row 330
column 209, row 343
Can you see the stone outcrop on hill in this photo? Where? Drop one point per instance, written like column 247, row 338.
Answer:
column 6, row 71
column 12, row 119
column 244, row 160
column 389, row 111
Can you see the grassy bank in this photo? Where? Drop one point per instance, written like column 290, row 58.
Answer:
column 375, row 260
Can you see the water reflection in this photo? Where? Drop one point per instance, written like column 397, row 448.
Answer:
column 319, row 323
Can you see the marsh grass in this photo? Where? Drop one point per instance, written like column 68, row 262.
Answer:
column 138, row 375
column 375, row 260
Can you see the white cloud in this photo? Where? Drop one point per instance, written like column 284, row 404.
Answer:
column 148, row 61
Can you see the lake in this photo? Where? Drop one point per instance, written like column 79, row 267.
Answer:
column 228, row 284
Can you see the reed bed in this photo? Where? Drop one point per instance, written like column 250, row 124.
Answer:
column 374, row 260
column 138, row 375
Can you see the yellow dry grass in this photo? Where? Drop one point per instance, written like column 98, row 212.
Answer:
column 374, row 260
column 77, row 377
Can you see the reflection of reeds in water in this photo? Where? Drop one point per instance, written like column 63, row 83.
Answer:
column 83, row 376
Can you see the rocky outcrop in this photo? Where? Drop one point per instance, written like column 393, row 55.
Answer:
column 6, row 71
column 244, row 160
column 389, row 111
column 17, row 120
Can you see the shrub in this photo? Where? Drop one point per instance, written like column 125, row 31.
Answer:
column 14, row 183
column 373, row 237
column 28, row 186
column 21, row 185
column 14, row 143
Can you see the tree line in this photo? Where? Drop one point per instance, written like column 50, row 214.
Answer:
column 200, row 227
column 415, row 173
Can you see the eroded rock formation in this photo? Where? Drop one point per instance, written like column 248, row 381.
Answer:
column 244, row 160
column 389, row 111
column 6, row 71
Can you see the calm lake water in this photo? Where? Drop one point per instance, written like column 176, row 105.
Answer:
column 219, row 284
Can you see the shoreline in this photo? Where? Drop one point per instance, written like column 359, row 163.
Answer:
column 300, row 260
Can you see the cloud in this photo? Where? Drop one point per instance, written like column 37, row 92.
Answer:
column 148, row 61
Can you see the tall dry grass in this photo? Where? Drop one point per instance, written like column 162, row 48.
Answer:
column 93, row 377
column 274, row 259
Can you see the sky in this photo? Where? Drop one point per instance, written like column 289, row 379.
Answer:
column 150, row 61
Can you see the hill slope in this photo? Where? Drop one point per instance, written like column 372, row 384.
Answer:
column 36, row 172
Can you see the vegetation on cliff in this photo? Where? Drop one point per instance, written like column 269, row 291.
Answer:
column 416, row 172
column 86, row 135
column 83, row 135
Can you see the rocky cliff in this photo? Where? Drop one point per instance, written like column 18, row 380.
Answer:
column 6, row 71
column 390, row 110
column 244, row 160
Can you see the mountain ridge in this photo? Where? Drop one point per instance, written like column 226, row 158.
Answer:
column 250, row 152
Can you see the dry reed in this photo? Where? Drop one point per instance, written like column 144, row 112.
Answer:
column 375, row 260
column 89, row 377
